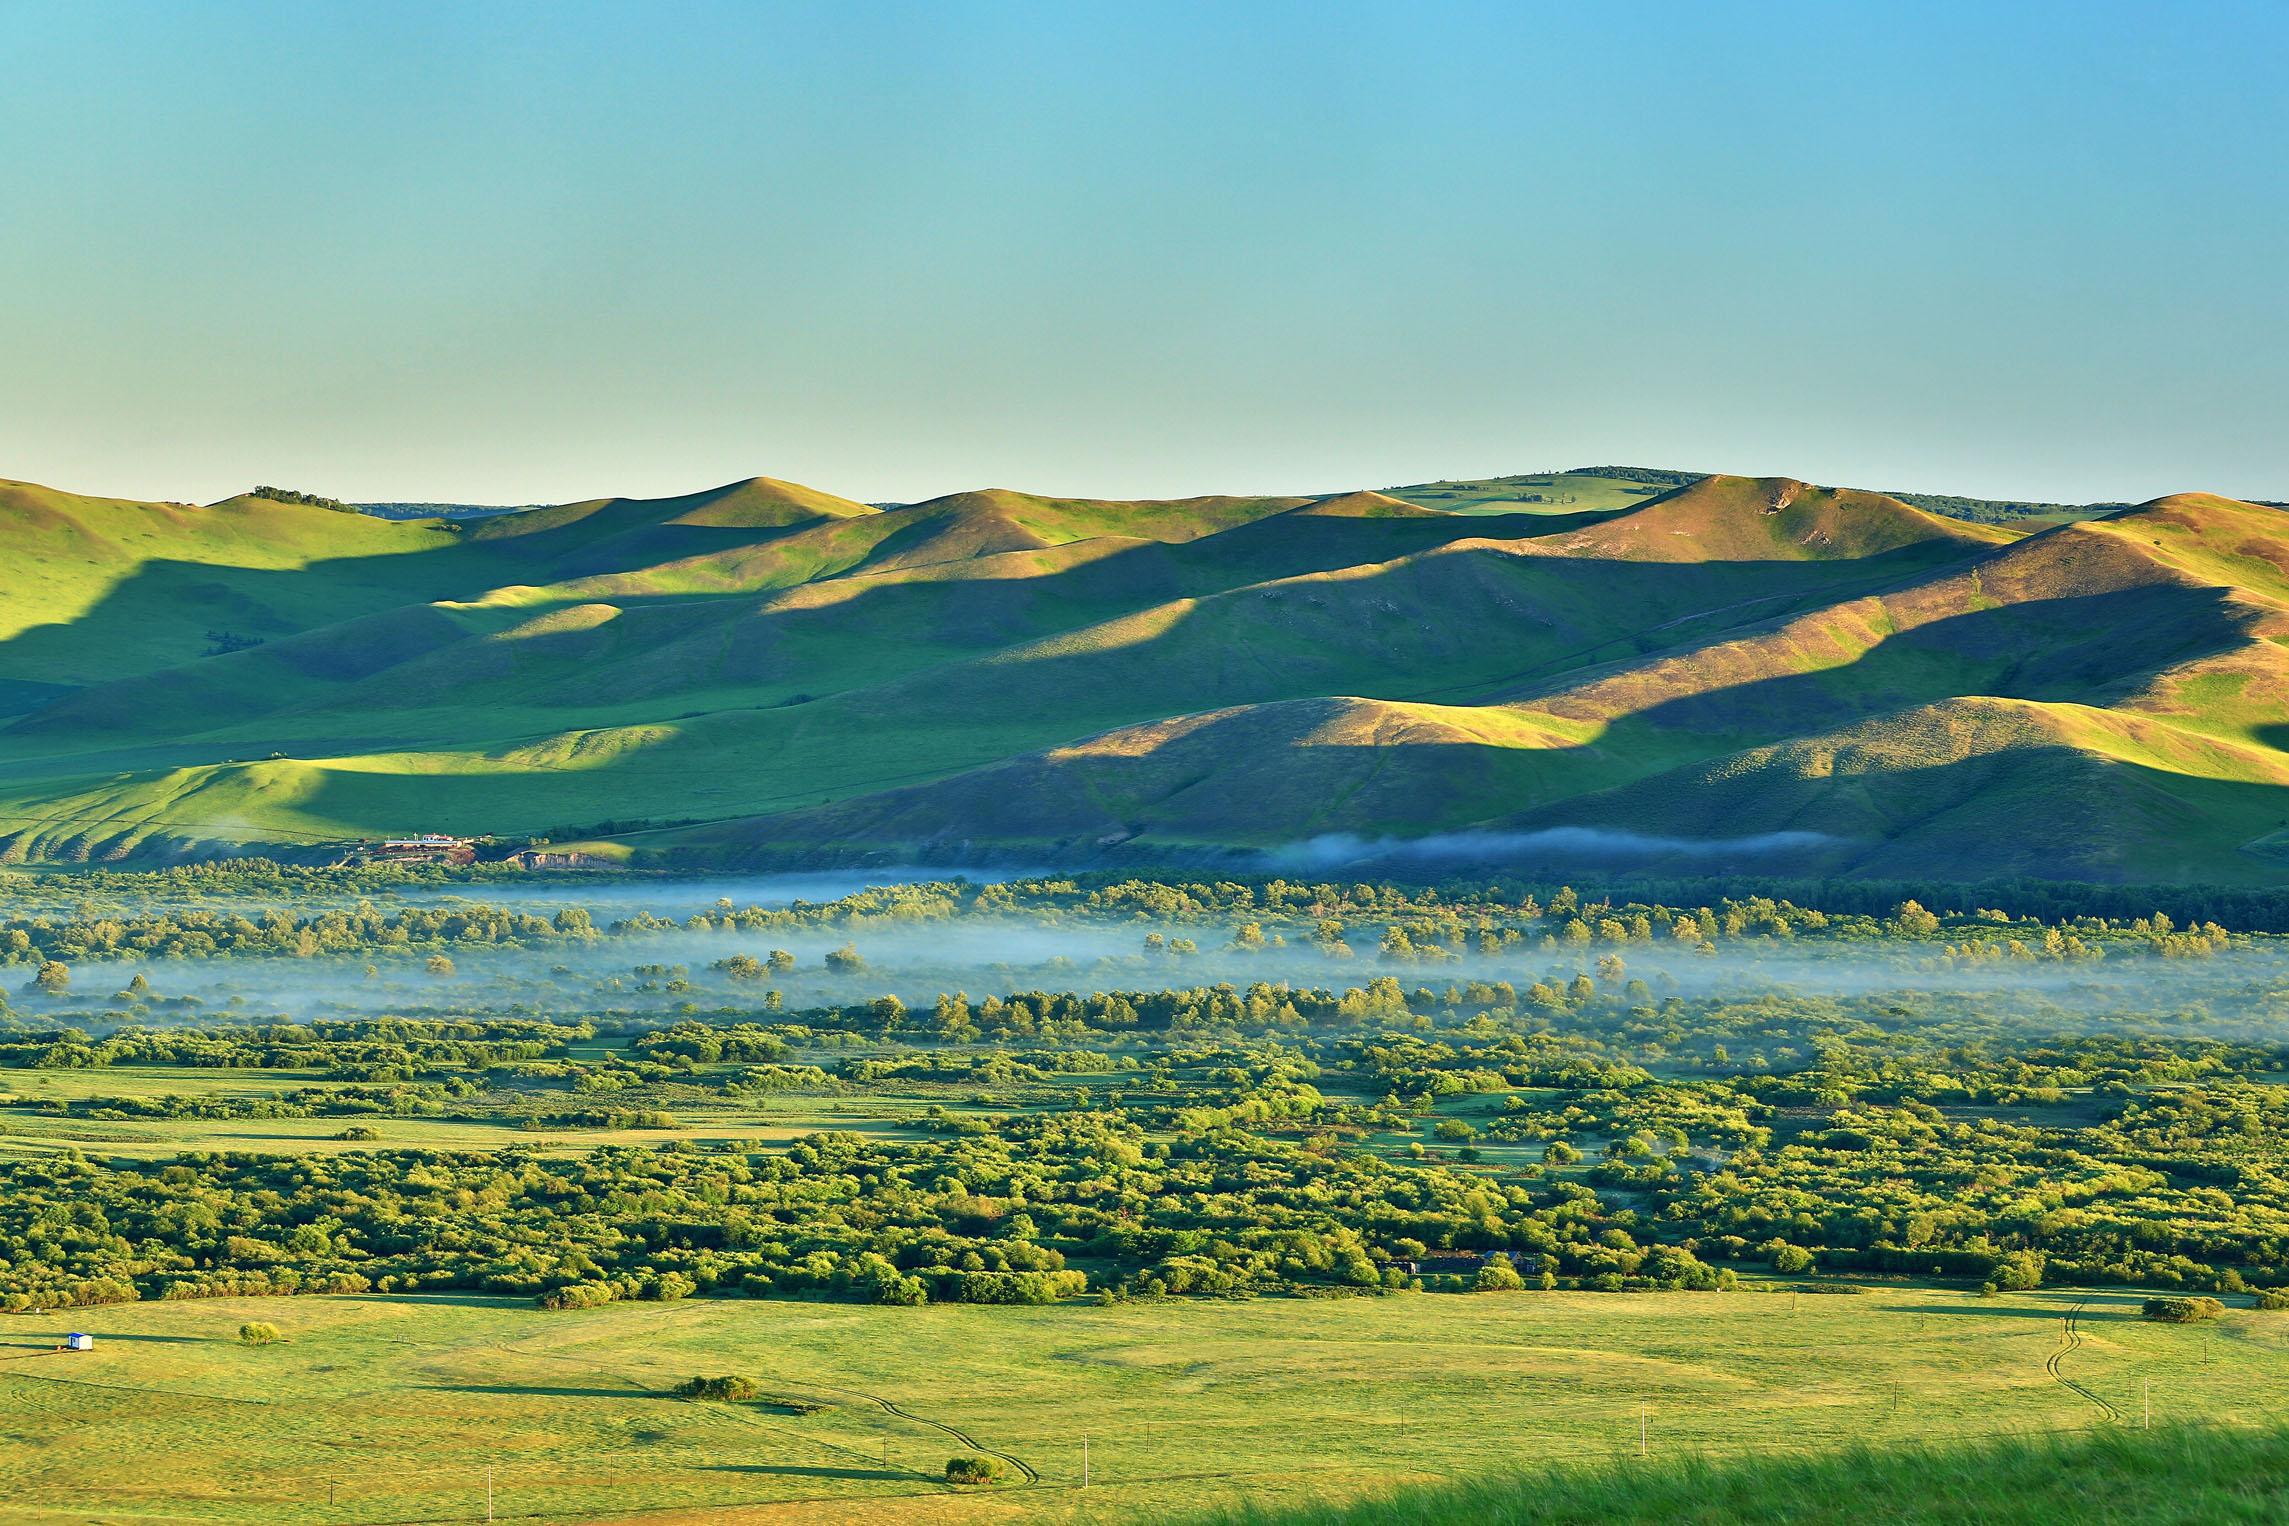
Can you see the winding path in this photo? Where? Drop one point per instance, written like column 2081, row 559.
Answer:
column 2071, row 1341
column 1032, row 1476
column 964, row 1437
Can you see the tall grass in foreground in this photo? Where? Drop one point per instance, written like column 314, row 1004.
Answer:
column 2180, row 1474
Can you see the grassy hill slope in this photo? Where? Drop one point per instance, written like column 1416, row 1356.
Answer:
column 780, row 673
column 2183, row 1475
column 98, row 587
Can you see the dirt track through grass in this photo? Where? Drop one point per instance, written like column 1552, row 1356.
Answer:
column 965, row 1438
column 2070, row 1338
column 399, row 1405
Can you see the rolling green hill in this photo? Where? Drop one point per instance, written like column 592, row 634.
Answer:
column 1729, row 671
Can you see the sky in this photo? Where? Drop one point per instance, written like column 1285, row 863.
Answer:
column 512, row 253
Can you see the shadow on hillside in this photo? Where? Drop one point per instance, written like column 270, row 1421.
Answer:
column 2045, row 811
column 2087, row 650
column 169, row 613
column 1366, row 634
column 21, row 696
column 960, row 536
column 1244, row 774
column 307, row 619
column 624, row 535
column 1519, row 625
column 1472, row 628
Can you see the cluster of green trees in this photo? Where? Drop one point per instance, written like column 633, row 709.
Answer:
column 237, row 879
column 1405, row 925
column 195, row 932
column 1037, row 1209
column 1608, row 1143
column 364, row 1049
column 1600, row 1126
column 429, row 1100
column 290, row 495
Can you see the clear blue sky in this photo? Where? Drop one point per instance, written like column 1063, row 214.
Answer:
column 509, row 253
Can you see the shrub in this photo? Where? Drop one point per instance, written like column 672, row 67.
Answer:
column 971, row 1469
column 1007, row 1287
column 668, row 1287
column 1498, row 1276
column 358, row 1133
column 2182, row 1311
column 2273, row 1298
column 579, row 1295
column 256, row 1333
column 2020, row 1270
column 719, row 1390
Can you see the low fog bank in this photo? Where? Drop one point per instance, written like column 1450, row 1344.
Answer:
column 610, row 898
column 1564, row 848
column 2241, row 990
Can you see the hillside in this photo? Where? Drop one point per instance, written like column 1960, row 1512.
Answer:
column 1620, row 487
column 1731, row 671
column 2186, row 1475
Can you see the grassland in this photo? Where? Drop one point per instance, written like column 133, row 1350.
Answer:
column 161, row 1138
column 395, row 1406
column 764, row 672
column 1210, row 1234
column 28, row 1130
column 2175, row 1475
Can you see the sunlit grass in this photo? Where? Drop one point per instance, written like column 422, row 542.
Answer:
column 2176, row 1474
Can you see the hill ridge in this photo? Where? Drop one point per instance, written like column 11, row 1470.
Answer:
column 800, row 676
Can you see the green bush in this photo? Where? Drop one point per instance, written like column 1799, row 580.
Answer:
column 972, row 1469
column 719, row 1390
column 2273, row 1298
column 256, row 1333
column 1498, row 1276
column 2182, row 1311
column 579, row 1295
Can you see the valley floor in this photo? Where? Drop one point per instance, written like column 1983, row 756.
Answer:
column 393, row 1409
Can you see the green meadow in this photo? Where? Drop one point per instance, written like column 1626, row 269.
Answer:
column 393, row 1408
column 2135, row 1477
column 377, row 1195
column 34, row 1119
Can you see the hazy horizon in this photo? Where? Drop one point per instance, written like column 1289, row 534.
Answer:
column 492, row 254
column 466, row 501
